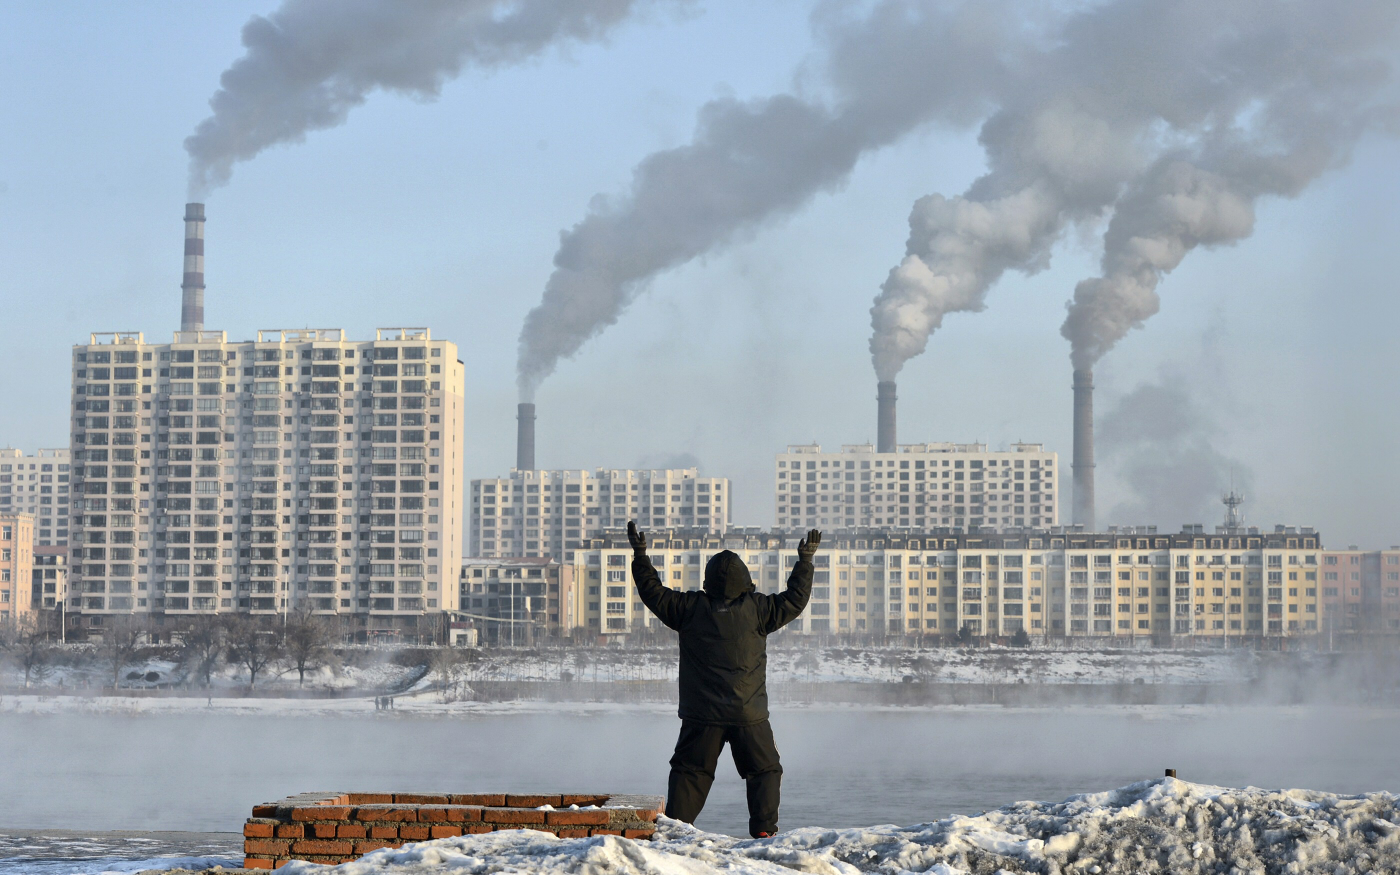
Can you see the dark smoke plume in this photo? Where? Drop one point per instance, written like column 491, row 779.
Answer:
column 1159, row 444
column 310, row 62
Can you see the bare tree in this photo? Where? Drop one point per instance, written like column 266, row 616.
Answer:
column 205, row 641
column 308, row 642
column 28, row 642
column 447, row 664
column 253, row 645
column 122, row 635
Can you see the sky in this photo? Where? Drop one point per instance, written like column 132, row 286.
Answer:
column 1271, row 361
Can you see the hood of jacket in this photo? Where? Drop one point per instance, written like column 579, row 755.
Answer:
column 726, row 576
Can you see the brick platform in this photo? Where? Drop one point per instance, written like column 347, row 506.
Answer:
column 336, row 827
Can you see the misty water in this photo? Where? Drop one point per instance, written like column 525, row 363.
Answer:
column 843, row 767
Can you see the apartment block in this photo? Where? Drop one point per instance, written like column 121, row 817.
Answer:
column 550, row 514
column 1125, row 584
column 1361, row 591
column 518, row 601
column 16, row 565
column 37, row 485
column 919, row 487
column 298, row 468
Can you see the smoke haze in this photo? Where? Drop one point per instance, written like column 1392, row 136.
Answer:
column 1159, row 445
column 310, row 62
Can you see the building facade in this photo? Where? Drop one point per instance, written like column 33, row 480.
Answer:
column 518, row 601
column 16, row 566
column 1361, row 592
column 1127, row 585
column 37, row 485
column 299, row 468
column 550, row 514
column 919, row 487
column 49, row 589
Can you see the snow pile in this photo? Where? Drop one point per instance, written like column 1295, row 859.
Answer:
column 1154, row 826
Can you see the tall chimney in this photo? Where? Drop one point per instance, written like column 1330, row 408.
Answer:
column 884, row 428
column 192, row 289
column 525, row 437
column 1084, row 448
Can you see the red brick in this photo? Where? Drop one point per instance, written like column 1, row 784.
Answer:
column 580, row 799
column 605, row 832
column 387, row 813
column 477, row 829
column 573, row 833
column 512, row 815
column 647, row 814
column 371, row 798
column 422, row 798
column 278, row 864
column 257, row 830
column 384, row 832
column 323, row 830
column 366, row 847
column 265, row 810
column 445, row 832
column 321, row 812
column 577, row 818
column 478, row 799
column 520, row 800
column 414, row 833
column 430, row 814
column 638, row 833
column 270, row 847
column 463, row 813
column 256, row 863
column 291, row 831
column 350, row 831
column 312, row 846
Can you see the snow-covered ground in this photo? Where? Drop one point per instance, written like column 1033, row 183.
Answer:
column 889, row 664
column 1153, row 826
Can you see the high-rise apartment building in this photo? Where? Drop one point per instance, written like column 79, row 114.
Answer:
column 37, row 485
column 16, row 565
column 552, row 513
column 1126, row 585
column 299, row 468
column 959, row 487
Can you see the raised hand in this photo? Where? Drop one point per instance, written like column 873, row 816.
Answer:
column 808, row 546
column 636, row 538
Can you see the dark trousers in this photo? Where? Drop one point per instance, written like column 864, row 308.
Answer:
column 693, row 770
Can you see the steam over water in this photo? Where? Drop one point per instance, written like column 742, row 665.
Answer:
column 843, row 768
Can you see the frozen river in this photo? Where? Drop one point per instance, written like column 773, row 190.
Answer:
column 843, row 767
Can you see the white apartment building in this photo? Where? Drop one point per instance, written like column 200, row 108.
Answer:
column 37, row 485
column 958, row 487
column 1129, row 585
column 552, row 513
column 299, row 468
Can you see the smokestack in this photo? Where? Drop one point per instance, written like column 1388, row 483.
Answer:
column 525, row 437
column 884, row 435
column 192, row 289
column 1084, row 448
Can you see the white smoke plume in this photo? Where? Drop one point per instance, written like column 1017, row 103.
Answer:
column 901, row 64
column 310, row 62
column 1175, row 114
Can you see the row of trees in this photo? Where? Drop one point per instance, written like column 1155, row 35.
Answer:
column 302, row 643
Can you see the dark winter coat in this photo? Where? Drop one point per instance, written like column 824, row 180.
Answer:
column 724, row 630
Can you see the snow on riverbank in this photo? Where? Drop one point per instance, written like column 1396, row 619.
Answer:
column 1153, row 826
